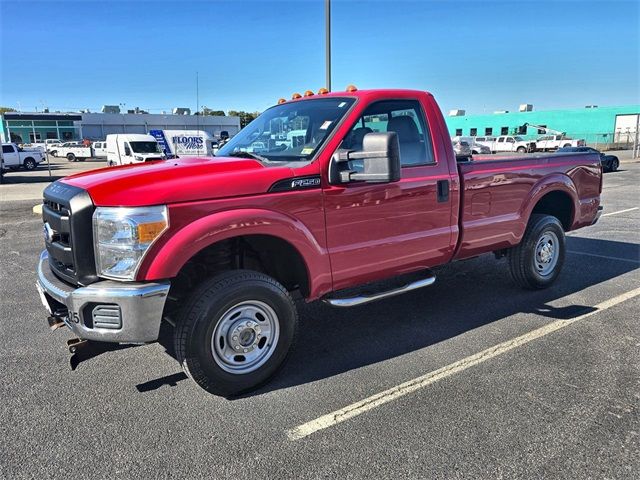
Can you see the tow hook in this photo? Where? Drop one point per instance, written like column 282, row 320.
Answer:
column 83, row 350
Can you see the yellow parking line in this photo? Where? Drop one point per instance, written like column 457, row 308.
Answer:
column 369, row 403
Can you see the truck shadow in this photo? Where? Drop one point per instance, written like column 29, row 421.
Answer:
column 466, row 296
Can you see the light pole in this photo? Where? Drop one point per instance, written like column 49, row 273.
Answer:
column 327, row 15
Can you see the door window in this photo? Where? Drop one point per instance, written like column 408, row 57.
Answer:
column 510, row 140
column 501, row 140
column 7, row 149
column 405, row 118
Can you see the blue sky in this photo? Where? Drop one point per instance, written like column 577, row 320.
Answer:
column 481, row 56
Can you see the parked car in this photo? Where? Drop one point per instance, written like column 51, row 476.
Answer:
column 15, row 157
column 125, row 148
column 610, row 163
column 73, row 151
column 462, row 146
column 553, row 142
column 100, row 149
column 479, row 148
column 212, row 250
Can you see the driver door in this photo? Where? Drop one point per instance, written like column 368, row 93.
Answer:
column 380, row 230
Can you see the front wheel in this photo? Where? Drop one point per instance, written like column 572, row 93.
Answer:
column 522, row 150
column 537, row 261
column 235, row 332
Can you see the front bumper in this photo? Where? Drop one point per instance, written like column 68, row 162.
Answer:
column 140, row 305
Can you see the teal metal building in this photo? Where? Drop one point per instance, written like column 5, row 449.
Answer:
column 597, row 125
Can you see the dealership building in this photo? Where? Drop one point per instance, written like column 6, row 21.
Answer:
column 612, row 126
column 30, row 127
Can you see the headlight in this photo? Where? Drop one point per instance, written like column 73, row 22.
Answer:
column 122, row 236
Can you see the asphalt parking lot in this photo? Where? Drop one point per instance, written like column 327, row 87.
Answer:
column 359, row 396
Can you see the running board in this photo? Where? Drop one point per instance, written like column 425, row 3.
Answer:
column 363, row 299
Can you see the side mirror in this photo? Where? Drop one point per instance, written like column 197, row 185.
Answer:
column 380, row 156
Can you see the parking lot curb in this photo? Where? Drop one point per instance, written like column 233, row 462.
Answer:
column 37, row 209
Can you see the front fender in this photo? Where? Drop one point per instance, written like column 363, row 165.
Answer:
column 167, row 258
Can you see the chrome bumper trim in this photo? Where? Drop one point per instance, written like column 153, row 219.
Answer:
column 141, row 305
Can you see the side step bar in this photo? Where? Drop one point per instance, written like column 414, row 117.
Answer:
column 362, row 299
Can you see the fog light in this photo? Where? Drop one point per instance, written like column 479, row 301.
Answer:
column 107, row 316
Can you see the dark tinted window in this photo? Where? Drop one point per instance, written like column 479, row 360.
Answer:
column 7, row 149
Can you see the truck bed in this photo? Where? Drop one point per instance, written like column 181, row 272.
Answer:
column 498, row 195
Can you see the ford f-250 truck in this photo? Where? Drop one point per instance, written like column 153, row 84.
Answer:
column 215, row 248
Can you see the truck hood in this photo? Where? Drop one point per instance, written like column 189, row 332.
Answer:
column 179, row 180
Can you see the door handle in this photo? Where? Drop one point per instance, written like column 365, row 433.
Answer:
column 443, row 190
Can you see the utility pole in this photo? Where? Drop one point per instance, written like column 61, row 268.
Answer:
column 327, row 15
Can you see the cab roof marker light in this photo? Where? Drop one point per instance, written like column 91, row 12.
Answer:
column 352, row 88
column 323, row 91
column 308, row 93
column 296, row 96
column 281, row 100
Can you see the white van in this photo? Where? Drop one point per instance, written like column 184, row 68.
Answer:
column 124, row 148
column 186, row 143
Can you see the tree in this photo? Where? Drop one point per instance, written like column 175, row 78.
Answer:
column 245, row 117
column 4, row 110
column 208, row 111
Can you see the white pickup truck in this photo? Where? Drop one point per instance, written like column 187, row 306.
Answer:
column 74, row 151
column 15, row 157
column 554, row 142
column 509, row 143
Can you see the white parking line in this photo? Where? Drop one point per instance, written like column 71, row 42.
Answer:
column 620, row 211
column 369, row 403
column 620, row 259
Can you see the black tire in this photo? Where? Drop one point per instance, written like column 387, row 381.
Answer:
column 53, row 153
column 523, row 263
column 71, row 157
column 29, row 164
column 521, row 149
column 615, row 164
column 208, row 306
column 566, row 145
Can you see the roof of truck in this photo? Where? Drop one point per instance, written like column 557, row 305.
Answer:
column 380, row 92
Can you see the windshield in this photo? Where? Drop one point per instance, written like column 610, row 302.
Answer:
column 519, row 139
column 289, row 132
column 145, row 147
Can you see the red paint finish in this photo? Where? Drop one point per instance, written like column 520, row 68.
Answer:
column 353, row 233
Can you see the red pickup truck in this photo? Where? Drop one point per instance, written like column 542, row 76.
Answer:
column 317, row 196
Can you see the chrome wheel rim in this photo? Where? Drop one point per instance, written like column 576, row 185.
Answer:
column 546, row 254
column 245, row 337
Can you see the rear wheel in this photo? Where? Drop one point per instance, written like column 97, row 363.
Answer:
column 71, row 157
column 566, row 145
column 235, row 332
column 537, row 261
column 54, row 153
column 615, row 163
column 30, row 164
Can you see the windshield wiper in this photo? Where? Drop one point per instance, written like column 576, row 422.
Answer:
column 242, row 154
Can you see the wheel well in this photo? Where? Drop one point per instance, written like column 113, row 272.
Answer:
column 559, row 205
column 264, row 253
column 28, row 158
